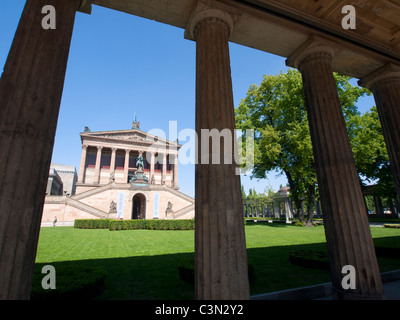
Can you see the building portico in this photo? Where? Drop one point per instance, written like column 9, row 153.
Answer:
column 112, row 155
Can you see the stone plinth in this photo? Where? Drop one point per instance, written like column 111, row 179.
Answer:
column 139, row 179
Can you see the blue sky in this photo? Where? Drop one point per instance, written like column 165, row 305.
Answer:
column 121, row 65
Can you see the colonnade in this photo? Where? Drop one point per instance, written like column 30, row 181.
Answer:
column 163, row 158
column 30, row 94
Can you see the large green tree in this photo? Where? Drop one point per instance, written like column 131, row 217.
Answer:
column 370, row 153
column 276, row 111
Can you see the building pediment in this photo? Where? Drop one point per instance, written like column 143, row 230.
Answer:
column 134, row 136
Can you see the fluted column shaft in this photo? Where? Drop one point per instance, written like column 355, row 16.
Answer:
column 220, row 249
column 30, row 93
column 385, row 85
column 347, row 230
column 387, row 98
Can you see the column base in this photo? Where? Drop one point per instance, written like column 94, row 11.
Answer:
column 340, row 294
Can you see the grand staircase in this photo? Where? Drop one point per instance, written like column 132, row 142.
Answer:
column 76, row 200
column 84, row 207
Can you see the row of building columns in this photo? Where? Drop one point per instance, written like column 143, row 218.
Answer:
column 30, row 94
column 82, row 167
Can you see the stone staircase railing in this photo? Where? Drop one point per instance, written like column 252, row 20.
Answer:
column 91, row 192
column 77, row 204
column 84, row 207
column 183, row 211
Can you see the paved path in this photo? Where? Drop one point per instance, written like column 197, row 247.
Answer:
column 391, row 286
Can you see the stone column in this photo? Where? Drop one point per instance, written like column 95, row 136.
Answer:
column 176, row 171
column 126, row 165
column 220, row 248
column 97, row 166
column 82, row 165
column 347, row 230
column 112, row 162
column 164, row 168
column 151, row 166
column 385, row 85
column 30, row 94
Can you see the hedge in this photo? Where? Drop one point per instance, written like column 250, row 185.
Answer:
column 396, row 226
column 184, row 224
column 92, row 223
column 111, row 224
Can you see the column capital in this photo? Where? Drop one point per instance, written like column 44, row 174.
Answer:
column 85, row 6
column 99, row 147
column 85, row 146
column 314, row 48
column 205, row 17
column 389, row 72
column 114, row 149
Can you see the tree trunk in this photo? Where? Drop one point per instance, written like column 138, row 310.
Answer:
column 294, row 196
column 310, row 205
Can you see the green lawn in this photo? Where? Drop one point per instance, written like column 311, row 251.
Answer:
column 143, row 264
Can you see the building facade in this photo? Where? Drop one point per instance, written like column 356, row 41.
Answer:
column 123, row 174
column 62, row 180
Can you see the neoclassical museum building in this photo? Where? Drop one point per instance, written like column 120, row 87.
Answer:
column 123, row 174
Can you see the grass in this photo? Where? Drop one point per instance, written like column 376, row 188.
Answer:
column 143, row 264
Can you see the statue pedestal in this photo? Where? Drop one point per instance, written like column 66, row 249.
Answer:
column 112, row 215
column 139, row 178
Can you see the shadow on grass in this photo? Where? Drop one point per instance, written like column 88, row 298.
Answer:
column 157, row 277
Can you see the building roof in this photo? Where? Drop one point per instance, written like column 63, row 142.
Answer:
column 62, row 167
column 281, row 26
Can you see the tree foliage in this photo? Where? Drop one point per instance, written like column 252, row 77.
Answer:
column 370, row 153
column 276, row 111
